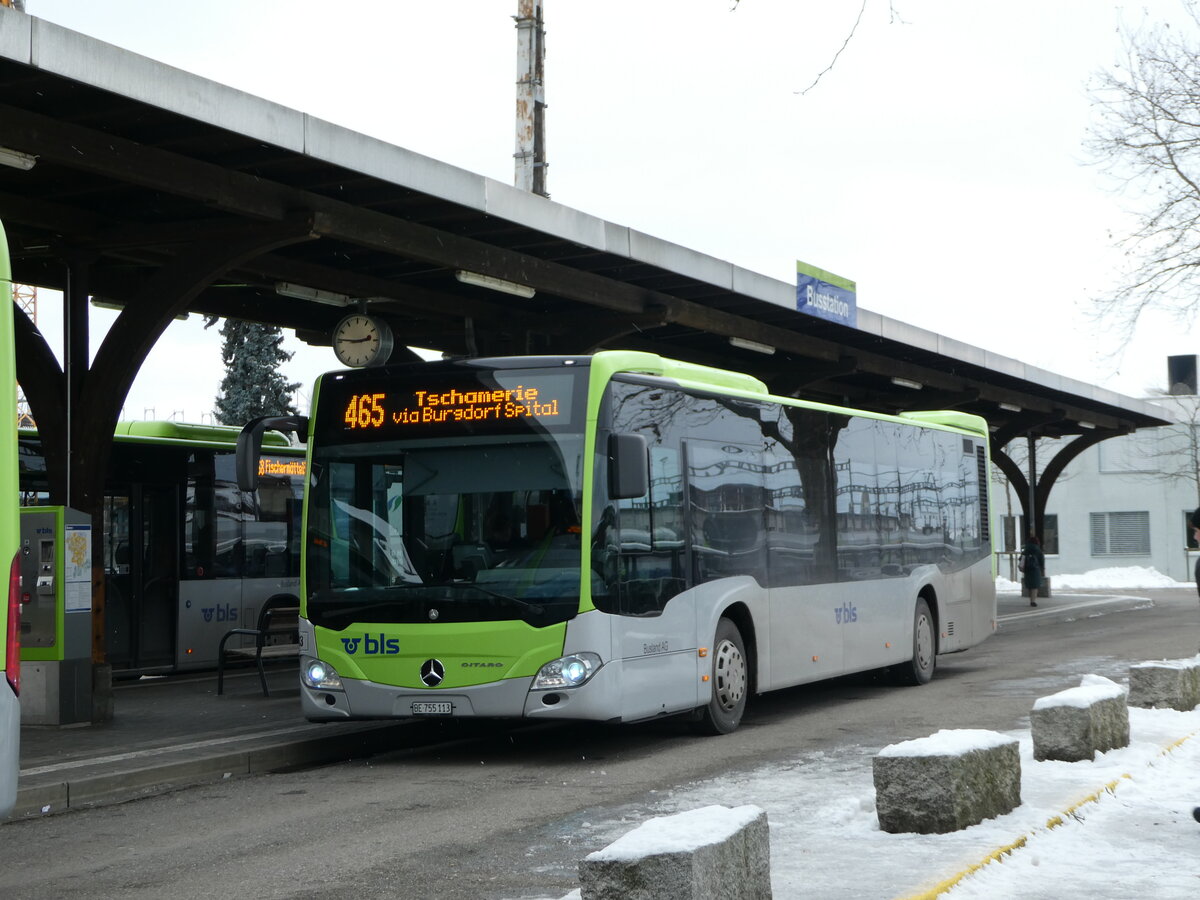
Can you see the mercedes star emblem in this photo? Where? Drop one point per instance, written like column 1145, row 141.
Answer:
column 432, row 672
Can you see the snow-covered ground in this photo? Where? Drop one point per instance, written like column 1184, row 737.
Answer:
column 1115, row 579
column 1120, row 826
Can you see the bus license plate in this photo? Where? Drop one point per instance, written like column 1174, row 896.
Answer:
column 432, row 708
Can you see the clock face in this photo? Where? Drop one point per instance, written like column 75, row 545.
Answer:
column 362, row 340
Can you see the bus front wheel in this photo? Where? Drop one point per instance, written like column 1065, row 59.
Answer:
column 919, row 669
column 730, row 683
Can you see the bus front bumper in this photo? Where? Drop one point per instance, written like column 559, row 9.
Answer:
column 511, row 698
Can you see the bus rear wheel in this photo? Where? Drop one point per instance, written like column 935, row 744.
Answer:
column 730, row 683
column 919, row 669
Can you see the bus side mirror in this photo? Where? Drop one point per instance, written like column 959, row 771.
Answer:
column 249, row 445
column 628, row 467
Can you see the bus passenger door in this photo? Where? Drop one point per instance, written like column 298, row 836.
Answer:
column 210, row 599
column 158, row 588
column 143, row 578
column 271, row 546
column 118, row 580
column 656, row 631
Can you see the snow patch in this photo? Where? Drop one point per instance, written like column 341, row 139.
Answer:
column 1118, row 578
column 1189, row 663
column 681, row 833
column 948, row 742
column 1092, row 689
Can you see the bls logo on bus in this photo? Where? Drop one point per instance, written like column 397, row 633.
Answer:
column 372, row 646
column 221, row 613
column 846, row 613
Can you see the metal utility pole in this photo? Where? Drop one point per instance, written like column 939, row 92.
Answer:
column 26, row 299
column 530, row 169
column 1032, row 525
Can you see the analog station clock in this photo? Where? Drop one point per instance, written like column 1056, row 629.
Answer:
column 362, row 340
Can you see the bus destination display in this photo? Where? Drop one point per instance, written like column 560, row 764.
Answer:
column 421, row 408
column 274, row 465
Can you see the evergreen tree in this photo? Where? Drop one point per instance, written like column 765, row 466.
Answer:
column 253, row 385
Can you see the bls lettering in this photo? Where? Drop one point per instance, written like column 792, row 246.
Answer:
column 220, row 613
column 372, row 646
column 846, row 613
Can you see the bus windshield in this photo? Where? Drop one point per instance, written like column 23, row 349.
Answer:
column 481, row 523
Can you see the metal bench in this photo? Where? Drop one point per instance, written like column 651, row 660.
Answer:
column 278, row 617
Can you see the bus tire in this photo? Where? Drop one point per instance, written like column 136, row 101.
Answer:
column 919, row 669
column 730, row 683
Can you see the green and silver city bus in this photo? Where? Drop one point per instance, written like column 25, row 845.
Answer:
column 621, row 536
column 10, row 535
column 187, row 556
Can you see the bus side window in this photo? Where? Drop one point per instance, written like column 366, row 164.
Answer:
column 727, row 505
column 267, row 544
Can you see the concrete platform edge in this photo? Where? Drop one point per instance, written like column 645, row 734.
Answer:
column 35, row 800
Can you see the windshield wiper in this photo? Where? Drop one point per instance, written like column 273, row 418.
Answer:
column 527, row 604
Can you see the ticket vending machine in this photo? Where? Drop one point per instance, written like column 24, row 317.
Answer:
column 56, row 616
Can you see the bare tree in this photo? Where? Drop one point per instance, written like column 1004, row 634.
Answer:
column 1148, row 135
column 1175, row 453
column 894, row 18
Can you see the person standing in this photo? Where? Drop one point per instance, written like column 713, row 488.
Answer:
column 1033, row 566
column 1196, row 538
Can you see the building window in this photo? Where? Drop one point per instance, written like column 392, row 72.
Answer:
column 1120, row 534
column 1188, row 532
column 1015, row 534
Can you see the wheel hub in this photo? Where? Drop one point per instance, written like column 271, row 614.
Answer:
column 730, row 673
column 924, row 643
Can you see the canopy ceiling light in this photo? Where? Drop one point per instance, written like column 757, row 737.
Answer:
column 495, row 284
column 1011, row 407
column 752, row 345
column 906, row 383
column 303, row 292
column 17, row 159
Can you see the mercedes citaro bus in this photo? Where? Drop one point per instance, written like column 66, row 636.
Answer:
column 621, row 536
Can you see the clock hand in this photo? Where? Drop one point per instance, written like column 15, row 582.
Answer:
column 357, row 340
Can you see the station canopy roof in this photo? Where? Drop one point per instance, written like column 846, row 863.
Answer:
column 136, row 161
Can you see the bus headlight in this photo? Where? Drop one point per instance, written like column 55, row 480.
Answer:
column 567, row 672
column 320, row 676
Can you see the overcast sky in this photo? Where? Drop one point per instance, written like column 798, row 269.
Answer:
column 940, row 163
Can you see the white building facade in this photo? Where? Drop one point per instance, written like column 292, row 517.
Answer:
column 1127, row 501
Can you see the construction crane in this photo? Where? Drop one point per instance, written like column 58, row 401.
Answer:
column 25, row 297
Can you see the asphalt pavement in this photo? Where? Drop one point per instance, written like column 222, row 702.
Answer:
column 172, row 732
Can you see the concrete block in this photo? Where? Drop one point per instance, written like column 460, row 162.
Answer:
column 946, row 782
column 1074, row 724
column 56, row 692
column 702, row 854
column 1165, row 684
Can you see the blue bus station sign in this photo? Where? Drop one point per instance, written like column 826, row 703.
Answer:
column 825, row 295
